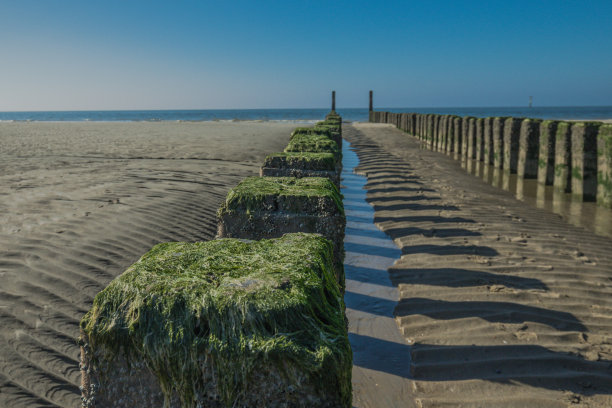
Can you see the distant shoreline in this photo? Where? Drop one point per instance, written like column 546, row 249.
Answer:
column 592, row 113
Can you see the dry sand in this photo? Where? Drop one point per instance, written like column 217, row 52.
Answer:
column 80, row 202
column 504, row 304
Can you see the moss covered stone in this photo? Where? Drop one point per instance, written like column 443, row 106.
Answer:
column 310, row 131
column 333, row 115
column 224, row 323
column 314, row 144
column 312, row 195
column 268, row 207
column 302, row 164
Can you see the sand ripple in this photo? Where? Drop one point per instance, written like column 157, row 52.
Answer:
column 81, row 202
column 505, row 305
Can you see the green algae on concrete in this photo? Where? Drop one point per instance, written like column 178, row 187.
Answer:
column 286, row 194
column 302, row 160
column 302, row 164
column 309, row 131
column 228, row 312
column 604, row 166
column 268, row 207
column 313, row 143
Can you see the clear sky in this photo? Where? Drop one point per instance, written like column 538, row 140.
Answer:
column 132, row 54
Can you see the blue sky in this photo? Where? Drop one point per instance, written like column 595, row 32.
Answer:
column 82, row 55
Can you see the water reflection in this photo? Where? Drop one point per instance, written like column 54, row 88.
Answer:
column 585, row 214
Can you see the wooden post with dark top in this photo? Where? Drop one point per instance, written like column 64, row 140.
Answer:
column 333, row 101
column 371, row 102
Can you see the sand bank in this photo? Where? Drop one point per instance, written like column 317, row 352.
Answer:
column 79, row 203
column 503, row 304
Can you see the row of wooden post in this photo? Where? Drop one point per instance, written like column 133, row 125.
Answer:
column 574, row 157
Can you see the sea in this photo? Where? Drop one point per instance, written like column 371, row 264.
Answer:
column 297, row 115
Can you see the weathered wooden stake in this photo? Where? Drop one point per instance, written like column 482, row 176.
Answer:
column 371, row 104
column 333, row 101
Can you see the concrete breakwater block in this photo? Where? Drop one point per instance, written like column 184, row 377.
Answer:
column 584, row 159
column 302, row 164
column 546, row 157
column 604, row 166
column 318, row 131
column 528, row 154
column 223, row 323
column 335, row 132
column 333, row 115
column 313, row 144
column 268, row 207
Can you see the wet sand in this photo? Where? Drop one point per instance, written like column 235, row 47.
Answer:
column 79, row 203
column 503, row 304
column 380, row 353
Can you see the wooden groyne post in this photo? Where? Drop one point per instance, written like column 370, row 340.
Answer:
column 333, row 101
column 574, row 157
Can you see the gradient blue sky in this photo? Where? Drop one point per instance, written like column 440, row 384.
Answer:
column 89, row 55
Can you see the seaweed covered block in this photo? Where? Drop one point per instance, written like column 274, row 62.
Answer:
column 334, row 131
column 313, row 144
column 223, row 323
column 319, row 131
column 333, row 115
column 268, row 207
column 302, row 164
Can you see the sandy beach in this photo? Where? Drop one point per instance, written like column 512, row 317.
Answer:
column 80, row 202
column 503, row 304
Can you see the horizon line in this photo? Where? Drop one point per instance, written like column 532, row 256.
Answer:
column 318, row 108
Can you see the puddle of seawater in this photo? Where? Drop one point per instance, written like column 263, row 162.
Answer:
column 581, row 213
column 381, row 356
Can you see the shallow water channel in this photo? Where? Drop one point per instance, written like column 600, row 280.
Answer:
column 381, row 356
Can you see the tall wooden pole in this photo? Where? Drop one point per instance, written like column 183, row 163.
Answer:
column 371, row 104
column 333, row 101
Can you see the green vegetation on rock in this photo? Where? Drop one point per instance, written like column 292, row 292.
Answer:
column 312, row 143
column 310, row 131
column 290, row 194
column 302, row 160
column 232, row 307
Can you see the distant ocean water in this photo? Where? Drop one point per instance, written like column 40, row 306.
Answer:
column 298, row 115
